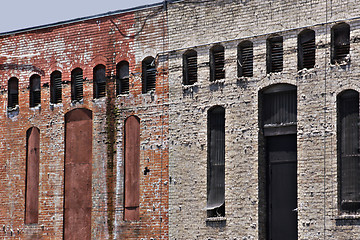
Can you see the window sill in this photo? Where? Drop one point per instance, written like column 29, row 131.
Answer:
column 217, row 222
column 348, row 217
column 216, row 219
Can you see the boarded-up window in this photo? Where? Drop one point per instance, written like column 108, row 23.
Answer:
column 340, row 43
column 32, row 175
column 190, row 67
column 245, row 59
column 55, row 87
column 348, row 150
column 306, row 49
column 99, row 81
column 216, row 162
column 274, row 56
column 132, row 169
column 122, row 78
column 78, row 174
column 35, row 90
column 217, row 63
column 76, row 84
column 148, row 74
column 13, row 93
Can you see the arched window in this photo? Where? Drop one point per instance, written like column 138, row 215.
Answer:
column 217, row 63
column 340, row 43
column 216, row 163
column 348, row 150
column 13, row 93
column 148, row 74
column 306, row 49
column 55, row 87
column 32, row 175
column 132, row 169
column 274, row 54
column 77, row 84
column 35, row 90
column 245, row 59
column 99, row 89
column 190, row 67
column 122, row 78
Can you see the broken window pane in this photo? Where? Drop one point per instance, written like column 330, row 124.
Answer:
column 306, row 49
column 35, row 90
column 148, row 74
column 13, row 92
column 217, row 63
column 122, row 78
column 274, row 54
column 245, row 59
column 340, row 43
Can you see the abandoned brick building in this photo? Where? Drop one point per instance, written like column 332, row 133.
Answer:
column 186, row 119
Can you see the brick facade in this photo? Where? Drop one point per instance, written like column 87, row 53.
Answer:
column 174, row 118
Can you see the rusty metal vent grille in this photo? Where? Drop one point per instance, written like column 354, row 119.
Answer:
column 190, row 67
column 275, row 54
column 148, row 74
column 340, row 42
column 306, row 49
column 13, row 92
column 77, row 84
column 217, row 63
column 56, row 88
column 35, row 91
column 245, row 59
column 122, row 78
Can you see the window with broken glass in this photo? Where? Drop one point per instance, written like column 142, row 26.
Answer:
column 99, row 84
column 348, row 151
column 35, row 90
column 13, row 93
column 245, row 59
column 122, row 78
column 148, row 74
column 216, row 163
column 340, row 43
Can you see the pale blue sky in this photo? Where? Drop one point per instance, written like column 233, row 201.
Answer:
column 19, row 14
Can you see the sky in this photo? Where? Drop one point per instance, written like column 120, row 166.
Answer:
column 20, row 14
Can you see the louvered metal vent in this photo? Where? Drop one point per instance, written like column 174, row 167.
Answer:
column 340, row 42
column 77, row 84
column 306, row 49
column 190, row 67
column 149, row 75
column 56, row 88
column 245, row 59
column 275, row 54
column 217, row 63
column 13, row 92
column 99, row 81
column 35, row 91
column 122, row 78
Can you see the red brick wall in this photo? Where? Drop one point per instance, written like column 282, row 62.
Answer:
column 86, row 44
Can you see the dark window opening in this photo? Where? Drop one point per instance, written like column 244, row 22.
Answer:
column 306, row 49
column 217, row 63
column 274, row 54
column 245, row 59
column 13, row 93
column 55, row 87
column 190, row 67
column 216, row 163
column 32, row 175
column 122, row 78
column 348, row 151
column 99, row 81
column 148, row 74
column 77, row 84
column 35, row 90
column 340, row 43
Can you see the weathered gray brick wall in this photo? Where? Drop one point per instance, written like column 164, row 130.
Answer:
column 200, row 25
